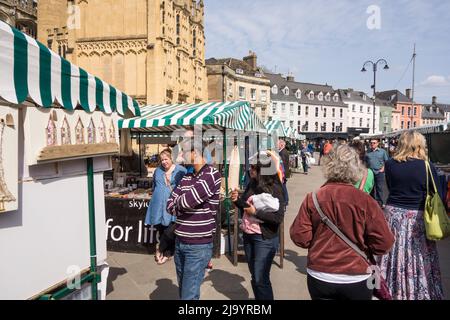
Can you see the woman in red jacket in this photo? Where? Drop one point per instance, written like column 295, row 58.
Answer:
column 335, row 270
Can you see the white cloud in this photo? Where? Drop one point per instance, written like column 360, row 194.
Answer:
column 436, row 81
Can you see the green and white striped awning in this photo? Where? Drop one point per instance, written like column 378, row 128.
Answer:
column 289, row 132
column 30, row 69
column 276, row 126
column 236, row 115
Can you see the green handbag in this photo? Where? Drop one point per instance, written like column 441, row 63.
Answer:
column 437, row 222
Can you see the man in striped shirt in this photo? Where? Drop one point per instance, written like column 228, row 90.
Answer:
column 195, row 203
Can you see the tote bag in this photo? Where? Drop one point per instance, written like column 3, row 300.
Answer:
column 437, row 222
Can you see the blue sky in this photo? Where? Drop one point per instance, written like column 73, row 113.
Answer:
column 327, row 41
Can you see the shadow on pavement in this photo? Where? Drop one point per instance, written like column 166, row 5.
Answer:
column 298, row 261
column 165, row 290
column 228, row 284
column 114, row 273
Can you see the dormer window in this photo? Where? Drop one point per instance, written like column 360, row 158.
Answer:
column 364, row 97
column 349, row 95
column 275, row 89
column 239, row 71
column 286, row 91
column 336, row 98
column 298, row 94
column 320, row 96
column 311, row 95
column 328, row 97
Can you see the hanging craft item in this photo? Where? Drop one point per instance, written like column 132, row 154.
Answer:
column 79, row 132
column 92, row 136
column 5, row 194
column 65, row 133
column 112, row 133
column 235, row 165
column 51, row 132
column 102, row 132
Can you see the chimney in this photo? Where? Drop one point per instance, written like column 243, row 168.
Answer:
column 290, row 78
column 434, row 100
column 408, row 93
column 251, row 60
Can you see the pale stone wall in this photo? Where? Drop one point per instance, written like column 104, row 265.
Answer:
column 133, row 45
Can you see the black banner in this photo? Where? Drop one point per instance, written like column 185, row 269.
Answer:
column 127, row 233
column 125, row 226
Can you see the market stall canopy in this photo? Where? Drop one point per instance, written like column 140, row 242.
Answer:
column 30, row 69
column 289, row 132
column 435, row 128
column 275, row 126
column 237, row 115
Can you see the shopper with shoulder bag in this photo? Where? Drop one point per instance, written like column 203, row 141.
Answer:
column 412, row 267
column 339, row 267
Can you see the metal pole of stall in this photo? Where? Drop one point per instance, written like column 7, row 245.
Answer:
column 92, row 235
column 227, row 193
column 140, row 154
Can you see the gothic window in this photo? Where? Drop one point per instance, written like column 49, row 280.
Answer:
column 51, row 132
column 194, row 41
column 65, row 133
column 79, row 132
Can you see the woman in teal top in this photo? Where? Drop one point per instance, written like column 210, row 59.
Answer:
column 368, row 180
column 165, row 179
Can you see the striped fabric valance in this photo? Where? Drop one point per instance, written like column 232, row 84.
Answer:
column 230, row 115
column 30, row 69
column 276, row 126
column 290, row 133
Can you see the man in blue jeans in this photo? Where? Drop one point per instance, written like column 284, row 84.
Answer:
column 195, row 202
column 376, row 158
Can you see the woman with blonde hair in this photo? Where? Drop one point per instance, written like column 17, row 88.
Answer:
column 165, row 179
column 411, row 268
column 336, row 271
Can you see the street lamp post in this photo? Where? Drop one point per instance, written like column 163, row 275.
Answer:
column 375, row 68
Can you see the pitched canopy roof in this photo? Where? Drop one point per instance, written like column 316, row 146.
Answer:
column 237, row 115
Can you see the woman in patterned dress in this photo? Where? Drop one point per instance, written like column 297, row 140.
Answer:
column 411, row 268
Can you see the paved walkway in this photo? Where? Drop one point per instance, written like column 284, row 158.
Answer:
column 138, row 277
